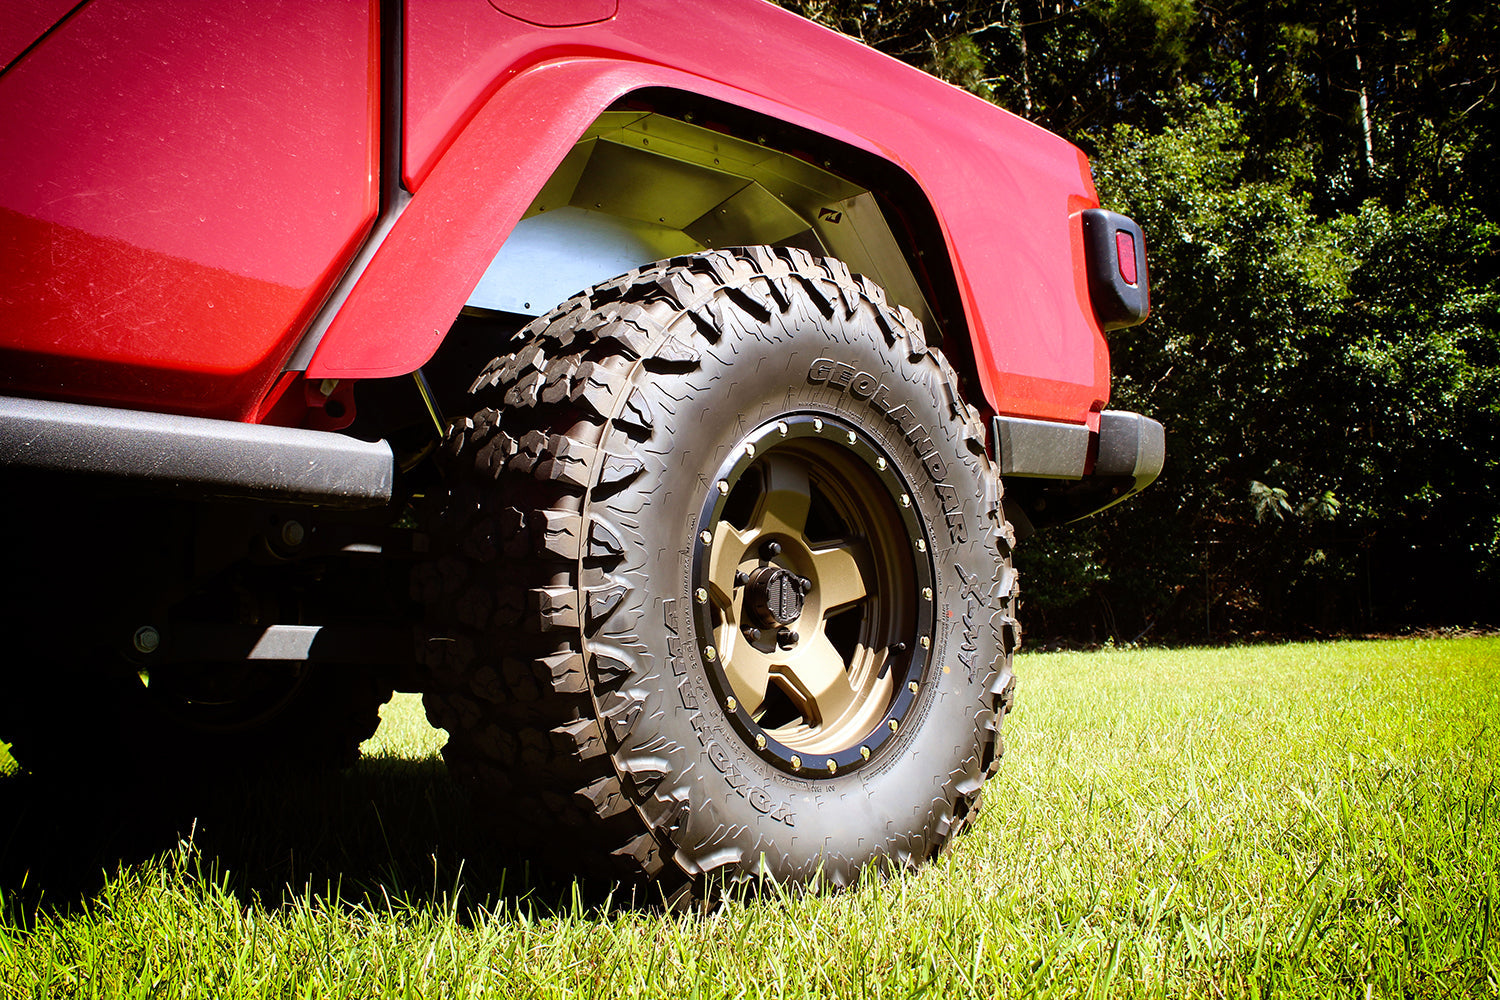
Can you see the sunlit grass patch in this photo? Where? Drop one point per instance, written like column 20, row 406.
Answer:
column 1300, row 820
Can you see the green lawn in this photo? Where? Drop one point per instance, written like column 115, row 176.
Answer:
column 1300, row 820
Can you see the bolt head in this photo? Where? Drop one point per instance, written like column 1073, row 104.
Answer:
column 864, row 752
column 731, row 704
column 146, row 639
column 893, row 725
column 760, row 740
column 292, row 533
column 752, row 633
column 912, row 687
column 906, row 499
column 741, row 578
column 786, row 638
column 926, row 593
column 723, row 487
column 926, row 642
column 709, row 653
column 921, row 545
column 796, row 763
column 804, row 584
column 833, row 766
column 770, row 550
column 705, row 537
column 880, row 464
column 700, row 595
column 818, row 426
column 783, row 428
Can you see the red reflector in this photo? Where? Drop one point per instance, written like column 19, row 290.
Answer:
column 1125, row 252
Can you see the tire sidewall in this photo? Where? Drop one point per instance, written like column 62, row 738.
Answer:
column 716, row 800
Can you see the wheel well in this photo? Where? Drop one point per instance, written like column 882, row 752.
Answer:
column 663, row 173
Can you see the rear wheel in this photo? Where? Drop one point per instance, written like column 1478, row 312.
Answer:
column 727, row 589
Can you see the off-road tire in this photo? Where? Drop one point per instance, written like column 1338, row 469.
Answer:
column 571, row 634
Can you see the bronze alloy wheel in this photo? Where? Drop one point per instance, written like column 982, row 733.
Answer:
column 813, row 594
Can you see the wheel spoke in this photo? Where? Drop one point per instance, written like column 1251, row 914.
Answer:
column 840, row 573
column 818, row 681
column 788, row 496
column 725, row 553
column 749, row 674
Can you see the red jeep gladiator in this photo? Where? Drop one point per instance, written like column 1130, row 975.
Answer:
column 636, row 379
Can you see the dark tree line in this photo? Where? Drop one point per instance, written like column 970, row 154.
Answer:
column 1320, row 188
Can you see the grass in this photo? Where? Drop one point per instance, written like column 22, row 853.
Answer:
column 1298, row 820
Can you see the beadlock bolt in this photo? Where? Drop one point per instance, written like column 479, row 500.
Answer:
column 700, row 595
column 709, row 653
column 723, row 487
column 731, row 704
column 921, row 545
column 833, row 766
column 796, row 763
column 705, row 537
column 893, row 725
column 926, row 642
column 880, row 464
column 906, row 499
column 864, row 752
column 760, row 741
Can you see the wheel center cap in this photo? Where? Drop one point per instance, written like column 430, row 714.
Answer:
column 774, row 596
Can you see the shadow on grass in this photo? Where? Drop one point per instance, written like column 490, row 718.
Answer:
column 389, row 831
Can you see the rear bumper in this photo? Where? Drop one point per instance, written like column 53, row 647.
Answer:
column 194, row 455
column 1062, row 472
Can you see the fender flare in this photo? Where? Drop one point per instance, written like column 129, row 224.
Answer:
column 426, row 266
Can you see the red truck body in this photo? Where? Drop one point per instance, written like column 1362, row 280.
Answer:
column 185, row 183
column 659, row 388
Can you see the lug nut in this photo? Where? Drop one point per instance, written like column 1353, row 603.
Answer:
column 770, row 550
column 741, row 578
column 786, row 638
column 752, row 633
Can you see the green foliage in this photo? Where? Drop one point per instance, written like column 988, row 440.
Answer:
column 1315, row 184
